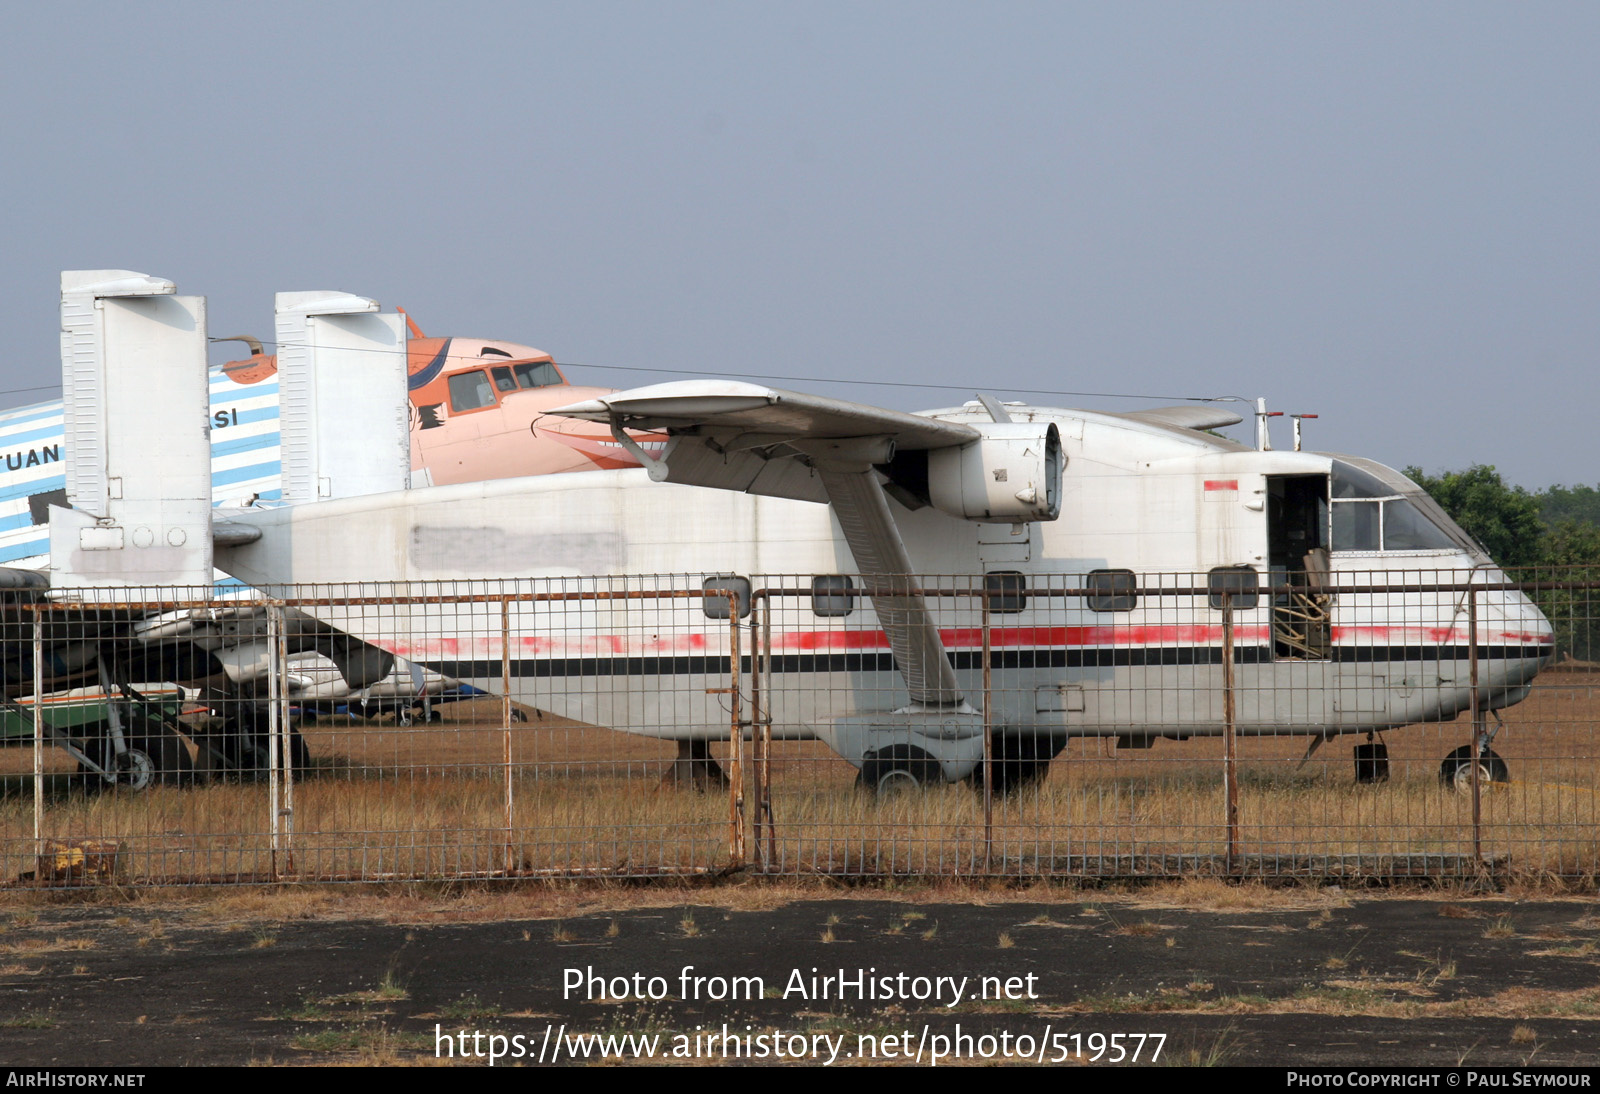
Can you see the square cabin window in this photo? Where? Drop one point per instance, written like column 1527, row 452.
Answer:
column 716, row 590
column 831, row 595
column 1007, row 590
column 1240, row 585
column 1112, row 591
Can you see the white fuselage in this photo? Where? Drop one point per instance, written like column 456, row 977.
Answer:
column 1167, row 505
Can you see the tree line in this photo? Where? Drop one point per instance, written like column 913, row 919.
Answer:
column 1542, row 535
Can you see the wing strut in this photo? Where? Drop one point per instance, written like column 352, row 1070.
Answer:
column 738, row 436
column 881, row 556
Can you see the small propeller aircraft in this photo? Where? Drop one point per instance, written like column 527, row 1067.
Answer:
column 1163, row 540
column 851, row 498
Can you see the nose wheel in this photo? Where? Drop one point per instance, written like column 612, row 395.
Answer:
column 1456, row 771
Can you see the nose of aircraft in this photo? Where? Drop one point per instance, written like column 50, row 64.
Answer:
column 1510, row 621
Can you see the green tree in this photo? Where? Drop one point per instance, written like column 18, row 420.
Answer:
column 1549, row 537
column 1505, row 519
column 1580, row 504
column 1572, row 549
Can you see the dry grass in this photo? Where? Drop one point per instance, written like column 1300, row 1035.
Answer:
column 1501, row 928
column 31, row 946
column 386, row 802
column 1356, row 996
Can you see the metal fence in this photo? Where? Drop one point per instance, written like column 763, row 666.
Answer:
column 1108, row 724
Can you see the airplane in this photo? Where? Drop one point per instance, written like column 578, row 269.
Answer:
column 1070, row 522
column 476, row 407
column 742, row 480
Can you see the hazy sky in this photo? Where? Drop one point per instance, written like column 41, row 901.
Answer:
column 1388, row 215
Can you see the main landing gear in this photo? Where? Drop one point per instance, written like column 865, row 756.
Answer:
column 694, row 768
column 1020, row 760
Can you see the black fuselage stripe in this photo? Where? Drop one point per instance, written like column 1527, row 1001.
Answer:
column 883, row 661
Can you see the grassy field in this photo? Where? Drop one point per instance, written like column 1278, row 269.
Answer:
column 385, row 802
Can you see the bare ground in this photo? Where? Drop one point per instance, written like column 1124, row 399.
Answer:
column 1229, row 974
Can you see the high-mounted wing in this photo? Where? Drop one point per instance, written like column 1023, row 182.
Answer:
column 738, row 436
column 761, row 440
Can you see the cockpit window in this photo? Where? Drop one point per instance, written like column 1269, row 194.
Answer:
column 1352, row 482
column 470, row 391
column 1373, row 514
column 536, row 374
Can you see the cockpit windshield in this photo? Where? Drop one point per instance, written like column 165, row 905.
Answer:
column 1378, row 509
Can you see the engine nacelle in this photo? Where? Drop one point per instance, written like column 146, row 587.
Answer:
column 1011, row 475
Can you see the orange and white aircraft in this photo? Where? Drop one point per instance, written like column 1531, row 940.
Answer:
column 478, row 410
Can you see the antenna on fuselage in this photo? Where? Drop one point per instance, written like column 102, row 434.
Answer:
column 1297, row 418
column 1264, row 438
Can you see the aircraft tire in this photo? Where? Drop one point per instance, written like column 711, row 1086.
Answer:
column 1372, row 763
column 1021, row 760
column 158, row 759
column 248, row 753
column 1456, row 771
column 299, row 751
column 898, row 767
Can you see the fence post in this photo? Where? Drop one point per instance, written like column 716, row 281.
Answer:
column 735, row 740
column 761, row 729
column 1476, row 708
column 505, row 720
column 38, row 734
column 988, row 741
column 1230, row 763
column 274, row 749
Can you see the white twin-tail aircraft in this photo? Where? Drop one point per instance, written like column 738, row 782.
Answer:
column 846, row 500
column 1054, row 515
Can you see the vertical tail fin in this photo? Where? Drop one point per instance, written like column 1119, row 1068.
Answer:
column 138, row 454
column 344, row 413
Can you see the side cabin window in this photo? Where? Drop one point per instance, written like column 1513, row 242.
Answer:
column 1238, row 585
column 714, row 595
column 1112, row 591
column 471, row 391
column 1007, row 590
column 831, row 596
